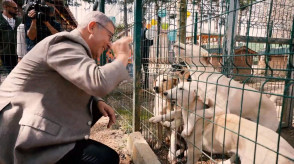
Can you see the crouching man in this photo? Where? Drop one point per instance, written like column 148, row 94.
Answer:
column 49, row 102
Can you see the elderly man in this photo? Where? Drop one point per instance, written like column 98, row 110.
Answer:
column 51, row 99
column 8, row 29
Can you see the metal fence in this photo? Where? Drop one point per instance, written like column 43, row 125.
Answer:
column 249, row 42
column 238, row 43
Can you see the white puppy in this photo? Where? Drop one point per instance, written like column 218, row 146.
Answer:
column 161, row 84
column 227, row 133
column 189, row 120
column 163, row 106
column 226, row 93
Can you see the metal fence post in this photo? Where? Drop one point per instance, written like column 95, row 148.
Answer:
column 288, row 103
column 137, row 65
column 195, row 28
column 158, row 34
column 269, row 32
column 229, row 40
column 102, row 6
column 102, row 9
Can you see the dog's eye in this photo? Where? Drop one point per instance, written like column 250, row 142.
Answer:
column 181, row 88
column 164, row 80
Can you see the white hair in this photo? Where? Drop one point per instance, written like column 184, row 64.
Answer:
column 95, row 16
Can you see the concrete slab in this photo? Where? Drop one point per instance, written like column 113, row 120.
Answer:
column 140, row 150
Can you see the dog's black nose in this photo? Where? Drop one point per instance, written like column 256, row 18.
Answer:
column 156, row 89
column 173, row 102
column 165, row 93
column 189, row 79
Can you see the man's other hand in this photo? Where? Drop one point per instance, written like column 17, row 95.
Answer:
column 107, row 111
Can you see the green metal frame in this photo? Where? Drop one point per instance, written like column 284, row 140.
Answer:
column 102, row 9
column 226, row 38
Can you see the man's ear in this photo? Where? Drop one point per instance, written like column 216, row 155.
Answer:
column 91, row 26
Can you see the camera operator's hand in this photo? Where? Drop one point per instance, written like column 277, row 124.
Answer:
column 32, row 14
column 121, row 49
column 32, row 31
column 50, row 27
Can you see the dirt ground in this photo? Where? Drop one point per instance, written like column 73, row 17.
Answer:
column 113, row 137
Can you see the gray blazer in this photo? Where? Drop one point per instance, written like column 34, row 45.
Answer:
column 44, row 101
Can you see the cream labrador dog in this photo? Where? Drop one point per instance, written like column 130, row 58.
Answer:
column 226, row 93
column 226, row 133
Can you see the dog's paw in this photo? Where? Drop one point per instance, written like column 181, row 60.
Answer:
column 155, row 119
column 166, row 124
column 173, row 126
column 181, row 152
column 157, row 146
column 172, row 157
column 173, row 161
column 187, row 131
column 184, row 133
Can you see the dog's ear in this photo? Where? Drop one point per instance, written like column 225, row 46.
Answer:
column 194, row 93
column 207, row 100
column 204, row 52
column 154, row 80
column 200, row 95
column 189, row 78
column 183, row 64
column 205, row 55
column 206, row 60
column 182, row 72
column 175, row 81
column 182, row 79
column 179, row 45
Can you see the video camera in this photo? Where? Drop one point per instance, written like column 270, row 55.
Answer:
column 42, row 10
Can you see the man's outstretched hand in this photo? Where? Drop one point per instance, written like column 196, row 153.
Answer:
column 121, row 49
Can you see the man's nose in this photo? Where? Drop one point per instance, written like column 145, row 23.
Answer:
column 109, row 44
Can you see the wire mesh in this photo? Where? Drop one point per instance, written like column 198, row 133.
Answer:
column 243, row 43
column 248, row 43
